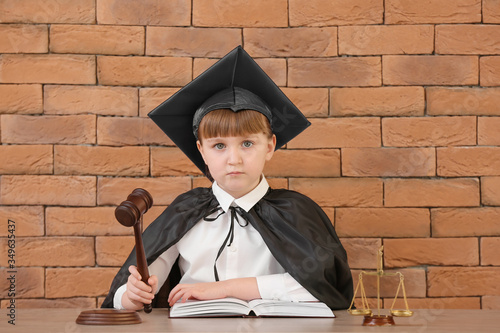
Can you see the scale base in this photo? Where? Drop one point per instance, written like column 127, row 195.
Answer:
column 379, row 320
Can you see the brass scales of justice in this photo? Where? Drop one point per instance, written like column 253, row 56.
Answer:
column 371, row 319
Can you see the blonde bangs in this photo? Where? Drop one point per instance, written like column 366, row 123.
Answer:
column 224, row 122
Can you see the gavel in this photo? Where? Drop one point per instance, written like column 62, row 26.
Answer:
column 129, row 213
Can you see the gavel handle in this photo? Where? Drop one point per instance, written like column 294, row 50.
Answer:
column 142, row 265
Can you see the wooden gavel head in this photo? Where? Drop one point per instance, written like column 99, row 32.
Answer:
column 129, row 212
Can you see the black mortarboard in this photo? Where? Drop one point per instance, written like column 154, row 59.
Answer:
column 234, row 82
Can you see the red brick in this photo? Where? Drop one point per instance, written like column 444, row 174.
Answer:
column 467, row 39
column 28, row 220
column 432, row 11
column 430, row 70
column 171, row 162
column 468, row 161
column 487, row 131
column 491, row 11
column 109, row 101
column 125, row 131
column 191, row 42
column 305, row 163
column 312, row 102
column 202, row 181
column 339, row 132
column 18, row 159
column 29, row 282
column 463, row 101
column 276, row 69
column 48, row 129
column 47, row 68
column 386, row 39
column 491, row 302
column 143, row 71
column 429, row 131
column 240, row 13
column 74, row 282
column 112, row 191
column 113, row 251
column 88, row 221
column 344, row 192
column 337, row 12
column 146, row 12
column 97, row 39
column 52, row 251
column 93, row 221
column 431, row 251
column 490, row 246
column 414, row 279
column 48, row 190
column 24, row 98
column 388, row 162
column 66, row 303
column 437, row 303
column 362, row 252
column 200, row 65
column 382, row 222
column 431, row 192
column 293, row 42
column 150, row 98
column 119, row 161
column 336, row 72
column 490, row 71
column 23, row 38
column 464, row 222
column 49, row 11
column 490, row 191
column 283, row 183
column 380, row 101
column 463, row 281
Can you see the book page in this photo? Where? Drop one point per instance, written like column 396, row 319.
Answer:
column 216, row 307
column 290, row 309
column 234, row 307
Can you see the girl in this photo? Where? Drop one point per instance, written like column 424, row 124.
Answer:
column 238, row 238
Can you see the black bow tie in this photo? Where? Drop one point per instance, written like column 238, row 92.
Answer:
column 230, row 234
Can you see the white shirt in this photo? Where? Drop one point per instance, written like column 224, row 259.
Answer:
column 247, row 256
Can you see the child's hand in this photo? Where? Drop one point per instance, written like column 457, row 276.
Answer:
column 201, row 291
column 138, row 293
column 242, row 288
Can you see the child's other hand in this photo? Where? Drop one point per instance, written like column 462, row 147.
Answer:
column 242, row 288
column 138, row 293
column 201, row 291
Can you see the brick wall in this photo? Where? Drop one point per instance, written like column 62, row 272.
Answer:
column 404, row 149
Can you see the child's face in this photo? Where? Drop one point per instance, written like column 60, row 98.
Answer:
column 236, row 162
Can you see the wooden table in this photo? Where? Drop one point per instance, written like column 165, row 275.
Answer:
column 63, row 320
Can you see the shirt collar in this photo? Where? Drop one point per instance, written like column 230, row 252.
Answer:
column 246, row 202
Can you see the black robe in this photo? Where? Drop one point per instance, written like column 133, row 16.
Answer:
column 295, row 229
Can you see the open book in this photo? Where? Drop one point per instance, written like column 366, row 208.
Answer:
column 257, row 307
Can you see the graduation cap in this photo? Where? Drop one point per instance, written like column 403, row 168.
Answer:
column 234, row 82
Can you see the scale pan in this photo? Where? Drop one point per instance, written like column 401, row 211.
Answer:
column 402, row 313
column 361, row 312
